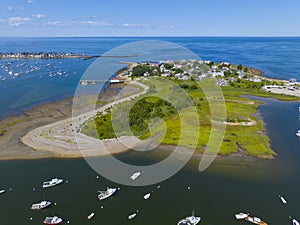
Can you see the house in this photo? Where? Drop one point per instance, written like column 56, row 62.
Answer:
column 231, row 79
column 292, row 81
column 221, row 83
column 162, row 68
column 146, row 74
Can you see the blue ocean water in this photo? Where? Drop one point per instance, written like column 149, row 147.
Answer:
column 49, row 80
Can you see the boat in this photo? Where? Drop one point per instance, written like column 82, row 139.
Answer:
column 90, row 216
column 53, row 220
column 2, row 191
column 135, row 175
column 132, row 216
column 295, row 222
column 41, row 205
column 106, row 194
column 255, row 220
column 146, row 196
column 241, row 216
column 116, row 81
column 190, row 220
column 298, row 133
column 283, row 200
column 52, row 182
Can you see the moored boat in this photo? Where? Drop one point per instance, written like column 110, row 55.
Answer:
column 41, row 205
column 2, row 191
column 283, row 200
column 255, row 220
column 52, row 182
column 298, row 133
column 147, row 196
column 132, row 216
column 106, row 194
column 190, row 220
column 53, row 220
column 241, row 216
column 295, row 222
column 135, row 175
column 90, row 216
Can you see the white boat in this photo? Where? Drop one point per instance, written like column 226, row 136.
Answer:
column 283, row 200
column 298, row 133
column 241, row 216
column 2, row 191
column 106, row 194
column 90, row 216
column 190, row 220
column 135, row 175
column 41, row 205
column 131, row 216
column 146, row 196
column 295, row 222
column 52, row 220
column 52, row 182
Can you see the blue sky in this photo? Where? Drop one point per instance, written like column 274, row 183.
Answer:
column 149, row 18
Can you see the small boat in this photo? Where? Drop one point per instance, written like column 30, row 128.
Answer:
column 2, row 191
column 146, row 196
column 295, row 222
column 241, row 216
column 53, row 220
column 283, row 200
column 132, row 216
column 298, row 133
column 106, row 194
column 90, row 216
column 135, row 175
column 52, row 182
column 255, row 220
column 190, row 220
column 41, row 205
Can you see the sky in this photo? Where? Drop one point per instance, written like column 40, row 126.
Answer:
column 47, row 18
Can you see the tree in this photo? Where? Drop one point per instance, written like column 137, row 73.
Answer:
column 240, row 67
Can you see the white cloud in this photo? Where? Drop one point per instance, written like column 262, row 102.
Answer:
column 38, row 16
column 61, row 23
column 2, row 21
column 30, row 1
column 10, row 8
column 17, row 21
column 96, row 23
column 134, row 25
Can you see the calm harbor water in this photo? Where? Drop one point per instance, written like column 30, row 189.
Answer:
column 229, row 186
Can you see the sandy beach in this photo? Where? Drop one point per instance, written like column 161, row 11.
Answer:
column 27, row 127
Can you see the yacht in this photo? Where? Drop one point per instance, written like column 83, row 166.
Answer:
column 106, row 194
column 53, row 220
column 135, row 175
column 298, row 133
column 295, row 222
column 132, row 216
column 2, row 191
column 190, row 220
column 52, row 182
column 241, row 216
column 283, row 200
column 90, row 216
column 41, row 205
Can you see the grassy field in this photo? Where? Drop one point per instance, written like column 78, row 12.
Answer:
column 185, row 118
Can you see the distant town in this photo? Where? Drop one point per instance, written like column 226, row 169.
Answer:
column 39, row 55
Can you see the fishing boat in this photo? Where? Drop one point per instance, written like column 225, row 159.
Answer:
column 135, row 175
column 255, row 220
column 41, row 205
column 147, row 196
column 283, row 200
column 90, row 216
column 53, row 220
column 241, row 216
column 2, row 191
column 295, row 222
column 106, row 194
column 190, row 220
column 52, row 182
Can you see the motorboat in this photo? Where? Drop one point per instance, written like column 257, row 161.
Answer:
column 53, row 220
column 90, row 216
column 41, row 205
column 52, row 182
column 295, row 222
column 241, row 216
column 147, row 196
column 106, row 194
column 190, row 220
column 135, row 175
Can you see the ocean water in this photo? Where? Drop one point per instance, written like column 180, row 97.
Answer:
column 277, row 57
